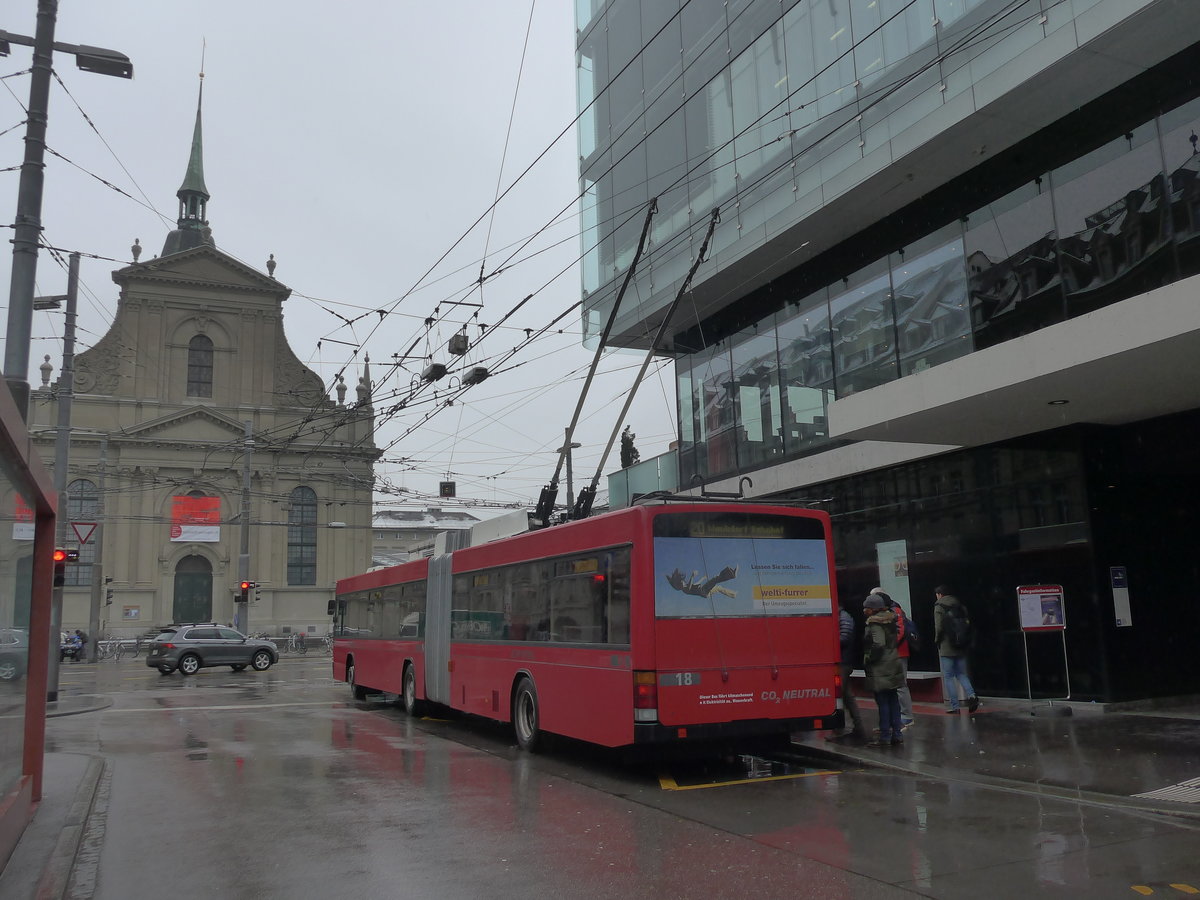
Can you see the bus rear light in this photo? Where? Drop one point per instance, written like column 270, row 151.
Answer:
column 645, row 697
column 837, row 679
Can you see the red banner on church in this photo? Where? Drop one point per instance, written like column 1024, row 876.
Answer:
column 196, row 519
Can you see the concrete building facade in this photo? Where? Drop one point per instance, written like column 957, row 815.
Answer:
column 950, row 295
column 399, row 535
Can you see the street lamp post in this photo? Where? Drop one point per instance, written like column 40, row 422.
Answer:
column 569, row 446
column 62, row 449
column 28, row 225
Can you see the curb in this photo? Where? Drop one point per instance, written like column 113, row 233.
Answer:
column 94, row 703
column 1090, row 798
column 56, row 876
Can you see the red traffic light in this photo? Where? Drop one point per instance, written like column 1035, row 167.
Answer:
column 246, row 585
column 60, row 555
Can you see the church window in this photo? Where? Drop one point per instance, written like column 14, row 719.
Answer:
column 302, row 537
column 200, row 367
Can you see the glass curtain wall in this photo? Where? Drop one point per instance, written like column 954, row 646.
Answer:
column 1112, row 224
column 758, row 407
column 712, row 103
column 806, row 372
column 985, row 521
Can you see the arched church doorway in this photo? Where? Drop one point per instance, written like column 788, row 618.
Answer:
column 193, row 590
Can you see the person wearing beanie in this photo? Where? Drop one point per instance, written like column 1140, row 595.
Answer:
column 882, row 665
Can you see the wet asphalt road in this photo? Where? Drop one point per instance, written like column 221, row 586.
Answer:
column 278, row 784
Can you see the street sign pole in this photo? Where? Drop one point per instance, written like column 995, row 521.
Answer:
column 98, row 556
column 62, row 450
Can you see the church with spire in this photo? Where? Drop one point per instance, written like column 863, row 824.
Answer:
column 194, row 427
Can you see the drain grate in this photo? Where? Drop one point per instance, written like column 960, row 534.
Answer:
column 1184, row 792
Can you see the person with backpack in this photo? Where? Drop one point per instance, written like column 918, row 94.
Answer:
column 952, row 634
column 882, row 665
column 906, row 642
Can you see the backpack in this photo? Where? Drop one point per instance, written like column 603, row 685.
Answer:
column 912, row 635
column 956, row 626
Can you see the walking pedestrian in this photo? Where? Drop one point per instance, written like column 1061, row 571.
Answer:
column 882, row 664
column 904, row 651
column 847, row 628
column 952, row 634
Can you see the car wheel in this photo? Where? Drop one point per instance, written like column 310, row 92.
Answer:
column 525, row 716
column 238, row 667
column 261, row 660
column 359, row 692
column 189, row 664
column 165, row 670
column 8, row 670
column 412, row 705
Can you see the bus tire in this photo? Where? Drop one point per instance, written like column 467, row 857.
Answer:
column 525, row 716
column 359, row 692
column 408, row 698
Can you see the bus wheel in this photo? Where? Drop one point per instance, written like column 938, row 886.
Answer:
column 412, row 705
column 525, row 716
column 360, row 692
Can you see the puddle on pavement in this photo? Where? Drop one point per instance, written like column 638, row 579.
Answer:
column 733, row 770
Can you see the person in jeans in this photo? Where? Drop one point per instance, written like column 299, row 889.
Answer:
column 882, row 664
column 846, row 629
column 902, row 648
column 952, row 655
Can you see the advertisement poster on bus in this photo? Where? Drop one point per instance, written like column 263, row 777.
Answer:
column 740, row 577
column 196, row 519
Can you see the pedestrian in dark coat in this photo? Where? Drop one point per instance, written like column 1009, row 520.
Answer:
column 882, row 665
column 952, row 655
column 846, row 630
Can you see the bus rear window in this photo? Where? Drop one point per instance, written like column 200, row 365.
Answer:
column 740, row 564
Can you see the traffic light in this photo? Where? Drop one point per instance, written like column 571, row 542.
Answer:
column 108, row 593
column 245, row 589
column 60, row 566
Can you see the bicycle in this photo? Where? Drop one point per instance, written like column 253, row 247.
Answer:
column 123, row 648
column 106, row 648
column 298, row 644
column 327, row 644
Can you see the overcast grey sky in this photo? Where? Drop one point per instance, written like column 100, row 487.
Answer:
column 356, row 142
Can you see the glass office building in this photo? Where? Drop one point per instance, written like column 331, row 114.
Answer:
column 951, row 295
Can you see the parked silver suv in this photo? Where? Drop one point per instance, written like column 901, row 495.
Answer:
column 192, row 646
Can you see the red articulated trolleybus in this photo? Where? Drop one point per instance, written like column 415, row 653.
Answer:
column 667, row 622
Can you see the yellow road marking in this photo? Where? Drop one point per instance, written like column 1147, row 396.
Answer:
column 1142, row 889
column 667, row 783
column 1186, row 889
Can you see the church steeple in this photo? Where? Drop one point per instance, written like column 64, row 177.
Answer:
column 192, row 227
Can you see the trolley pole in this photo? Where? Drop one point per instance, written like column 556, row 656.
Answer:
column 244, row 557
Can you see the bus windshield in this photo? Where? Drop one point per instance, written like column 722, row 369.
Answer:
column 739, row 564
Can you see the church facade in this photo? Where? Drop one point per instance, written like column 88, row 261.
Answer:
column 190, row 412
